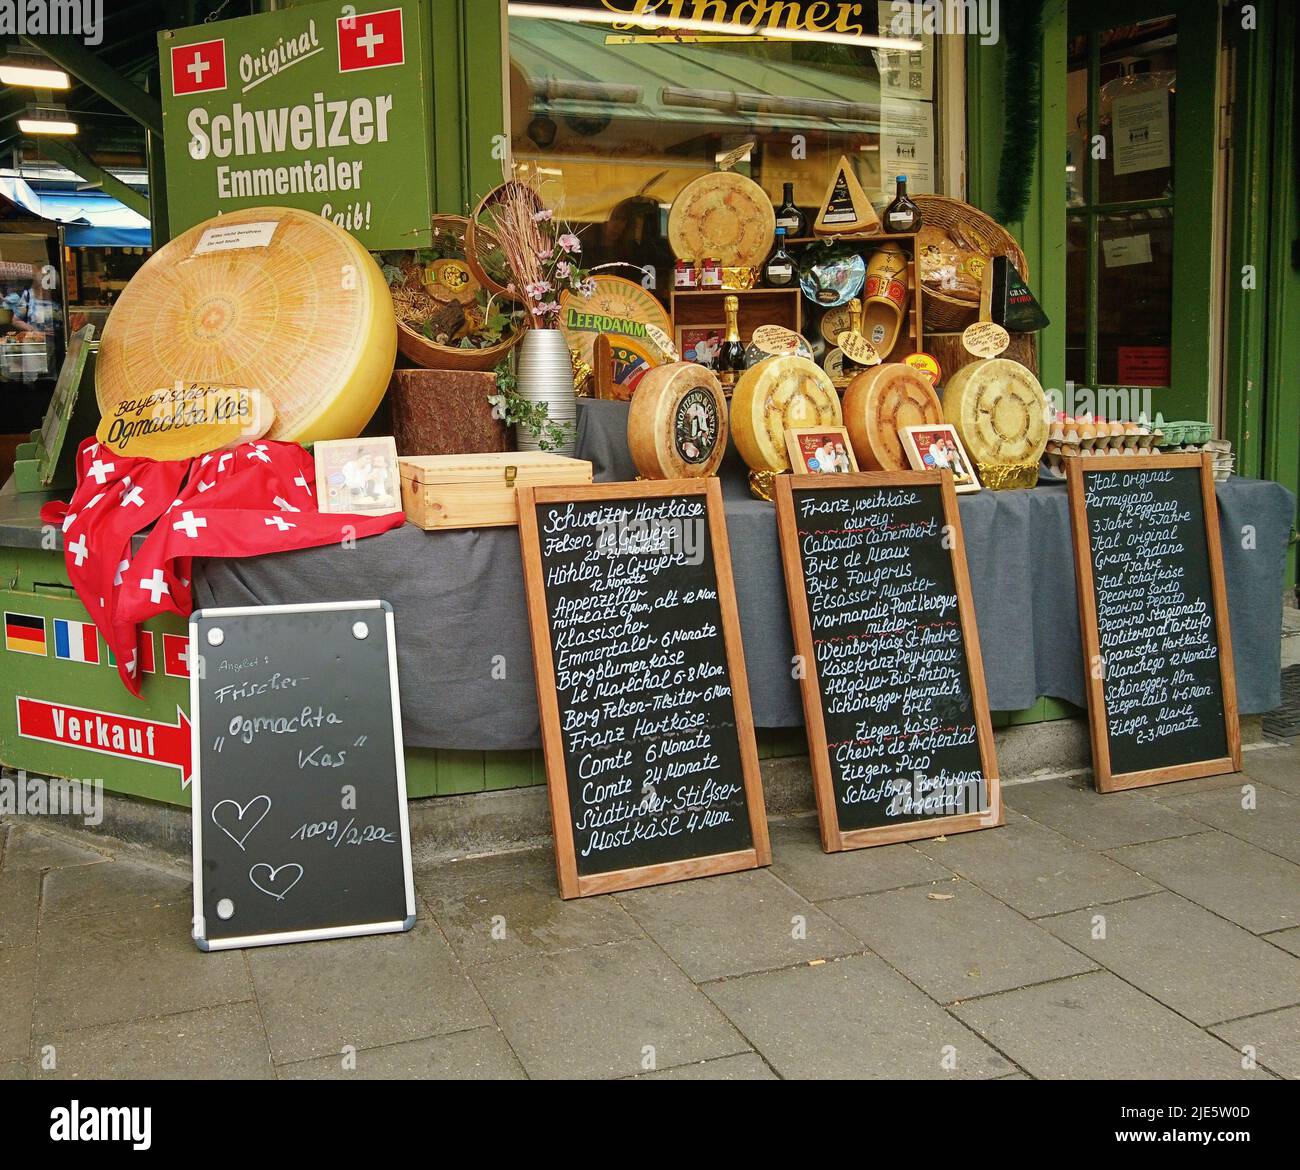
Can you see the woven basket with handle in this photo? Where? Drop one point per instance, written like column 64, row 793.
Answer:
column 948, row 314
column 418, row 348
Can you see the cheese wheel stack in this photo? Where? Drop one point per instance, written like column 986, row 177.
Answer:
column 274, row 299
column 774, row 395
column 1000, row 412
column 677, row 423
column 878, row 404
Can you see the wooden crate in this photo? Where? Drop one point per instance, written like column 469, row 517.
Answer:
column 758, row 306
column 478, row 491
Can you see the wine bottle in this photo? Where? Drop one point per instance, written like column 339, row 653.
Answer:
column 848, row 366
column 789, row 216
column 730, row 362
column 779, row 271
column 902, row 215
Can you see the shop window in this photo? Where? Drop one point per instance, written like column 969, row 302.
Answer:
column 616, row 118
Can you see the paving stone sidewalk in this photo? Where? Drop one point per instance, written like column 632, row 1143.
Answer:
column 1153, row 933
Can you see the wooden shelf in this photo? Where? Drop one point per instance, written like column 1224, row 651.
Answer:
column 758, row 306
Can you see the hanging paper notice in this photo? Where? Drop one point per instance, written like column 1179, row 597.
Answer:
column 1140, row 132
column 905, row 73
column 907, row 145
column 1123, row 251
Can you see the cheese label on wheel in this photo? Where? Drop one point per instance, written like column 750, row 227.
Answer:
column 186, row 421
column 985, row 339
column 774, row 396
column 276, row 299
column 775, row 341
column 878, row 404
column 677, row 423
column 857, row 348
column 999, row 410
column 618, row 307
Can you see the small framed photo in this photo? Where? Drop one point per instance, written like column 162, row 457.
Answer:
column 938, row 447
column 357, row 475
column 700, row 343
column 820, row 451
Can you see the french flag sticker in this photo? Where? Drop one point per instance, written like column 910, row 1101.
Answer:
column 76, row 641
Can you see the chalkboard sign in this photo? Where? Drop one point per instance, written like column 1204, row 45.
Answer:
column 646, row 726
column 899, row 734
column 299, row 798
column 1162, row 696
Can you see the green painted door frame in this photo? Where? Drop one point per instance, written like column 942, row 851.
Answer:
column 1042, row 233
column 1262, row 359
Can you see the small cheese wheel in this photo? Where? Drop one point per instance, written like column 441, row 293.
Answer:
column 999, row 410
column 677, row 423
column 773, row 396
column 878, row 403
column 276, row 299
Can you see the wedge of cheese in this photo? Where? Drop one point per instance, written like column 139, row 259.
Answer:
column 277, row 300
column 999, row 410
column 878, row 404
column 773, row 396
column 677, row 423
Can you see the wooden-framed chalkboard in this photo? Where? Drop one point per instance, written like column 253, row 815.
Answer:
column 651, row 764
column 1153, row 614
column 299, row 792
column 897, row 714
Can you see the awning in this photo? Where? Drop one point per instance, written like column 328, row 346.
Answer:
column 92, row 219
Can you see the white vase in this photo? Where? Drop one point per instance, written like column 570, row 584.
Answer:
column 544, row 373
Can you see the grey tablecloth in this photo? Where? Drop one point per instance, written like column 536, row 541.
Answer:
column 463, row 648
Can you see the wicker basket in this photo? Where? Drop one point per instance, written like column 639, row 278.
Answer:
column 419, row 349
column 947, row 314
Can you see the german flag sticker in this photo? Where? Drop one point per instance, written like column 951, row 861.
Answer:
column 25, row 633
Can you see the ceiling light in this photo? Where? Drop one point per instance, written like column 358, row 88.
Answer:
column 645, row 20
column 33, row 75
column 46, row 126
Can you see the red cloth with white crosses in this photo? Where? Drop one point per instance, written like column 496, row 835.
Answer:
column 252, row 499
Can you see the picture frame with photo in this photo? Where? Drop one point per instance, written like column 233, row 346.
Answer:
column 700, row 343
column 357, row 475
column 820, row 451
column 938, row 447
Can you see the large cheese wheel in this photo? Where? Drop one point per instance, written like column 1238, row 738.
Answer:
column 999, row 410
column 677, row 423
column 878, row 404
column 270, row 298
column 773, row 396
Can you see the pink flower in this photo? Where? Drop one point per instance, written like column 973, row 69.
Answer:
column 547, row 309
column 536, row 289
column 569, row 242
column 588, row 287
column 562, row 269
column 542, row 216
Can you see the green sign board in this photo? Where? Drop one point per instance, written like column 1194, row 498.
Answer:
column 323, row 107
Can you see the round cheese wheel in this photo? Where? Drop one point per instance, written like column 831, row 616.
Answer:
column 274, row 299
column 878, row 403
column 774, row 395
column 999, row 410
column 677, row 423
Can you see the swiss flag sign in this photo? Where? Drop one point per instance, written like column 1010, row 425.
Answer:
column 370, row 40
column 199, row 68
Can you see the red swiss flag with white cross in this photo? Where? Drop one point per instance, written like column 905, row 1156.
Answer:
column 370, row 40
column 199, row 68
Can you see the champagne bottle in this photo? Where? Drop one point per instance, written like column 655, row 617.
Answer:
column 779, row 271
column 789, row 216
column 730, row 362
column 902, row 215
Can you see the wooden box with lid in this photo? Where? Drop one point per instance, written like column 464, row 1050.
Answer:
column 478, row 491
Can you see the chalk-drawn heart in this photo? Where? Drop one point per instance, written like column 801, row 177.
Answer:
column 277, row 886
column 246, row 817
